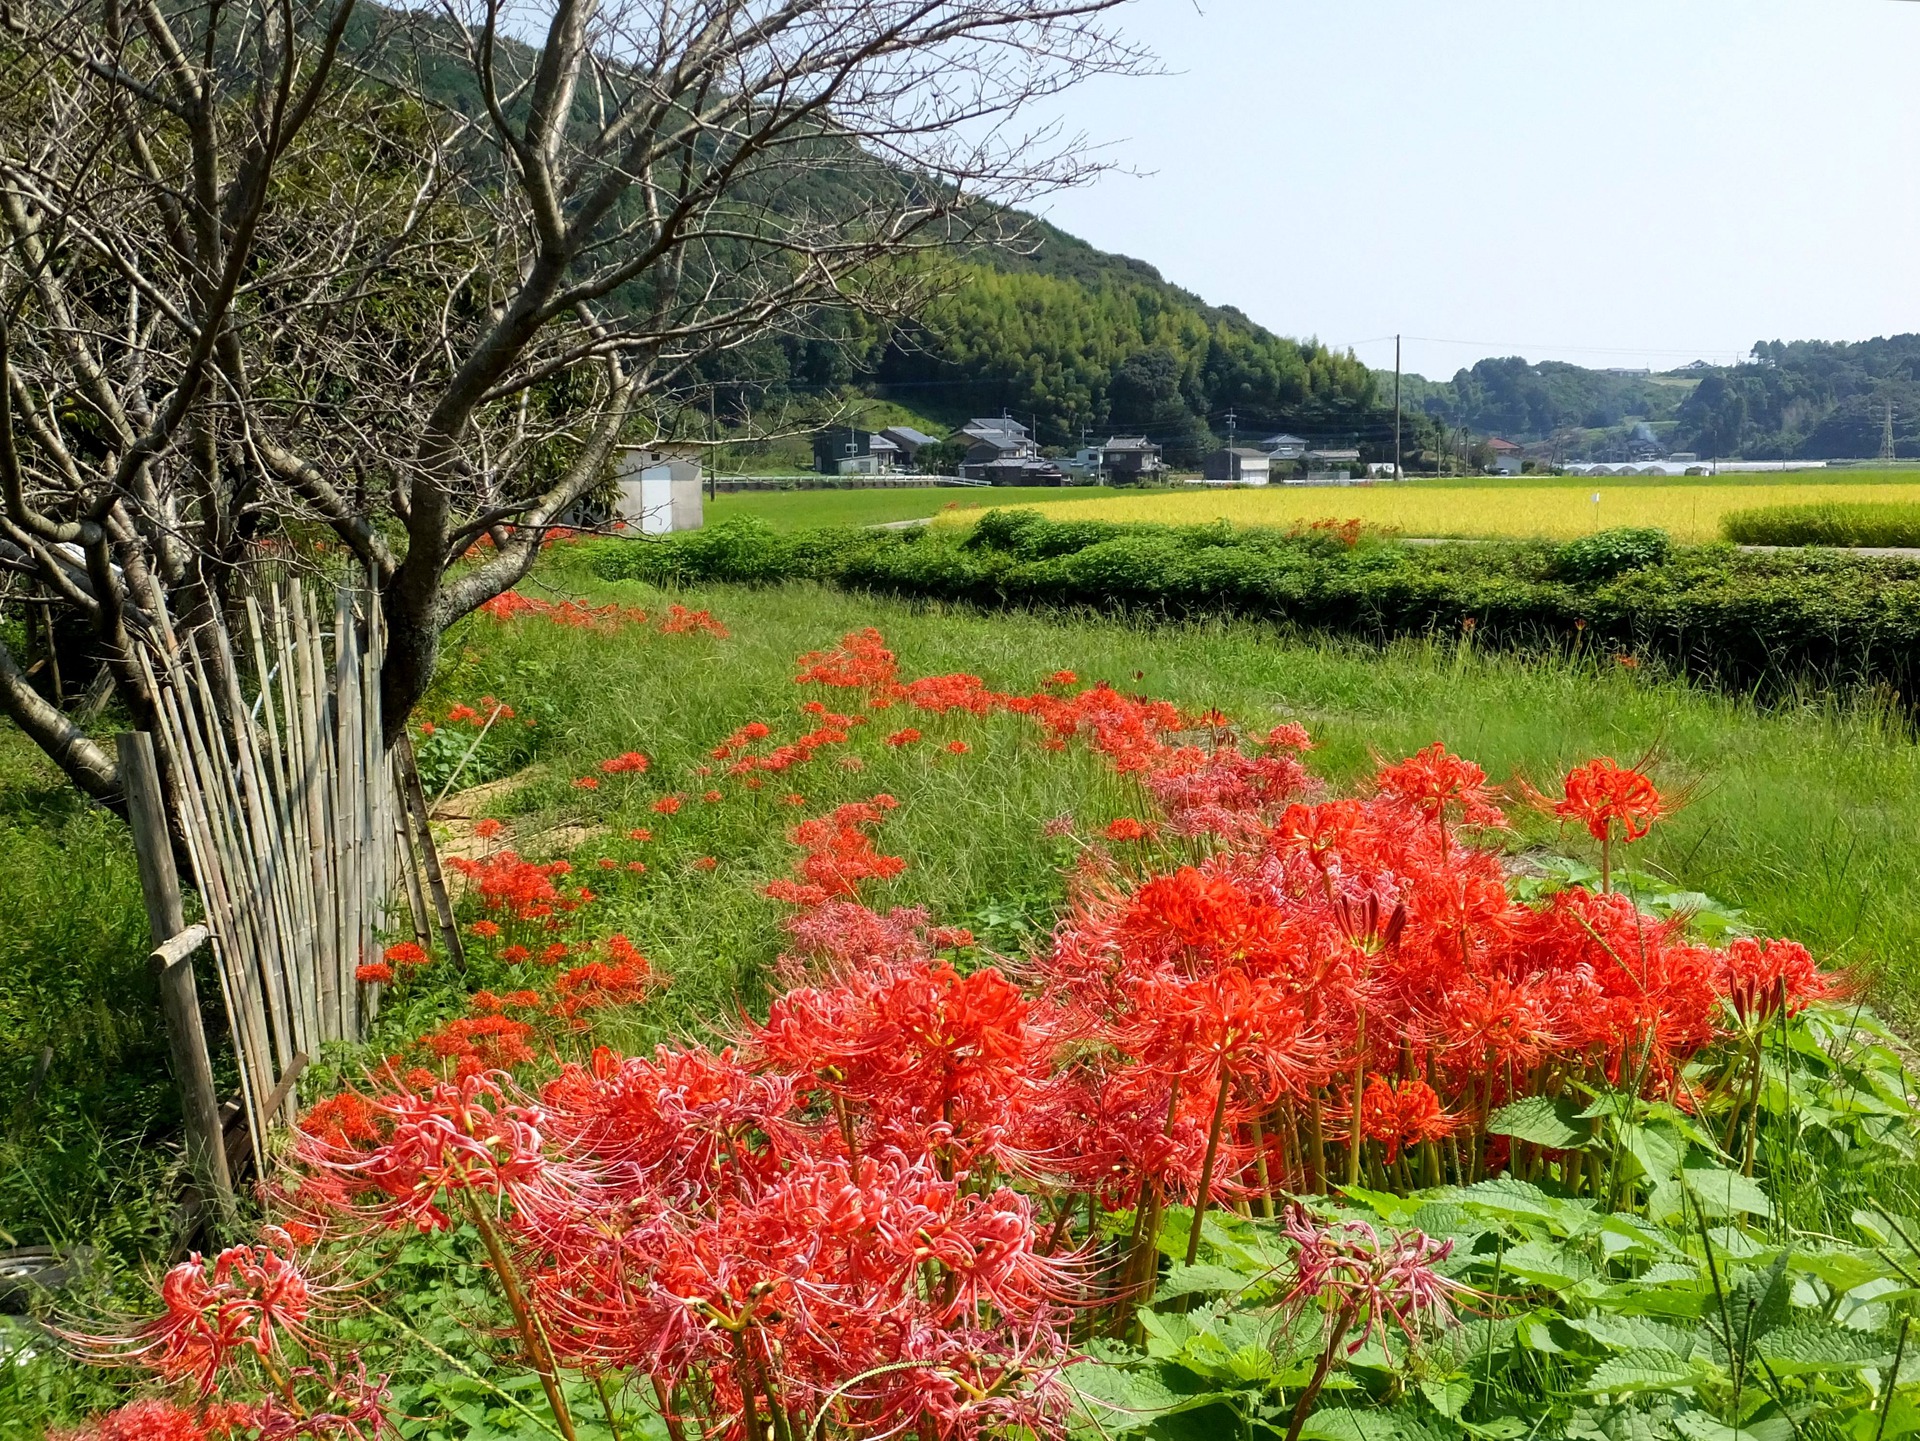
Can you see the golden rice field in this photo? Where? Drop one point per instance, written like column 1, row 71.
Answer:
column 1558, row 510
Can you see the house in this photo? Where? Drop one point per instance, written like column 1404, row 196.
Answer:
column 990, row 442
column 1021, row 470
column 1127, row 458
column 1331, row 465
column 656, row 493
column 849, row 450
column 908, row 443
column 1506, row 456
column 1284, row 447
column 1237, row 466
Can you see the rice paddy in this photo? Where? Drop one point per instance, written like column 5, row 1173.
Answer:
column 1550, row 509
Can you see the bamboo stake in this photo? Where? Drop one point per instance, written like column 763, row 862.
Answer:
column 423, row 830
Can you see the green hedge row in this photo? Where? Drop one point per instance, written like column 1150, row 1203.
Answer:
column 1737, row 617
column 1845, row 523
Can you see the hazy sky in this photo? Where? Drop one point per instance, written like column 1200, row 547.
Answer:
column 1612, row 182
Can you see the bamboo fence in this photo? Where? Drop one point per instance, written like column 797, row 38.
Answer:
column 292, row 818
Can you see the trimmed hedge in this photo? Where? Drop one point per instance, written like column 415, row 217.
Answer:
column 1848, row 523
column 1736, row 617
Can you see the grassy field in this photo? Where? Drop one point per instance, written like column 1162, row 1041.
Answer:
column 1558, row 509
column 797, row 509
column 1808, row 817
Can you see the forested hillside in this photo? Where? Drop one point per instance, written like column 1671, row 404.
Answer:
column 1808, row 399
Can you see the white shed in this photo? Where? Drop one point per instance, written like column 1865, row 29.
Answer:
column 658, row 496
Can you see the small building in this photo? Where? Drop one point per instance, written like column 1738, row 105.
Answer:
column 1125, row 459
column 1507, row 458
column 656, row 495
column 1329, row 466
column 1284, row 447
column 849, row 450
column 992, row 442
column 907, row 443
column 1237, row 466
column 1021, row 470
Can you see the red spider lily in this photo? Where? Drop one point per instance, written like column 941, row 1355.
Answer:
column 244, row 1300
column 640, row 833
column 1436, row 782
column 515, row 955
column 958, row 748
column 712, row 796
column 1063, row 678
column 1360, row 1278
column 373, row 973
column 586, row 783
column 1406, row 1113
column 1602, row 793
column 470, row 1135
column 154, row 1420
column 903, row 737
column 667, row 805
column 1759, row 977
column 631, row 763
column 860, row 661
column 406, row 953
column 487, row 829
column 486, row 930
column 477, row 1044
column 681, row 621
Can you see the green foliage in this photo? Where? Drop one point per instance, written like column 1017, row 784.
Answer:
column 1865, row 523
column 1610, row 553
column 1743, row 619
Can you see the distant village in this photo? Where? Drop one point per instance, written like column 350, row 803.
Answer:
column 999, row 450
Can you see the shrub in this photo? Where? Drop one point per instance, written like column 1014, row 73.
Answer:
column 1612, row 552
column 1743, row 619
column 1891, row 523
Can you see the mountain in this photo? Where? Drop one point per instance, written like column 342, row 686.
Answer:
column 1803, row 400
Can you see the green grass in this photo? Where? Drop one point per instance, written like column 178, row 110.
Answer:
column 1887, row 523
column 802, row 509
column 1806, row 815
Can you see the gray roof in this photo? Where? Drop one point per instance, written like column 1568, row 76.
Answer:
column 1129, row 442
column 909, row 435
column 1244, row 453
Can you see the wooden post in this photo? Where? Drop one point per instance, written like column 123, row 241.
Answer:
column 430, row 858
column 179, row 1002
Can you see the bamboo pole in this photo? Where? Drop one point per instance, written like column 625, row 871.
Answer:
column 423, row 831
column 179, row 1000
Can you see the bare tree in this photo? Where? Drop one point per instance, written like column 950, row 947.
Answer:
column 408, row 277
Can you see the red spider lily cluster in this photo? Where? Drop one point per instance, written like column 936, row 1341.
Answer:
column 575, row 615
column 884, row 1208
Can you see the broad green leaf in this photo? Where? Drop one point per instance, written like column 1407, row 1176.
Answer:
column 1507, row 1197
column 1701, row 1427
column 1545, row 1264
column 1448, row 1397
column 1338, row 1423
column 1807, row 1347
column 1655, row 1151
column 1722, row 1192
column 1395, row 1210
column 1188, row 1280
column 1641, row 1370
column 1541, row 1120
column 1630, row 1333
column 1121, row 1399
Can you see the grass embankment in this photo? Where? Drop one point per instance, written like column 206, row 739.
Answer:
column 1557, row 509
column 802, row 509
column 1806, row 815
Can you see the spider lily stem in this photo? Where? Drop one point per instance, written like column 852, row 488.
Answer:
column 531, row 1340
column 1206, row 1165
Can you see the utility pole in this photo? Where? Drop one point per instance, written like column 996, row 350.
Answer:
column 1886, row 434
column 1396, row 409
column 1233, row 426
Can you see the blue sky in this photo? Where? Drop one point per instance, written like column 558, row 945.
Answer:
column 1615, row 182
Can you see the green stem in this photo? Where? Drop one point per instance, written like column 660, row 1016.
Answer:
column 534, row 1343
column 1359, row 1091
column 1206, row 1165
